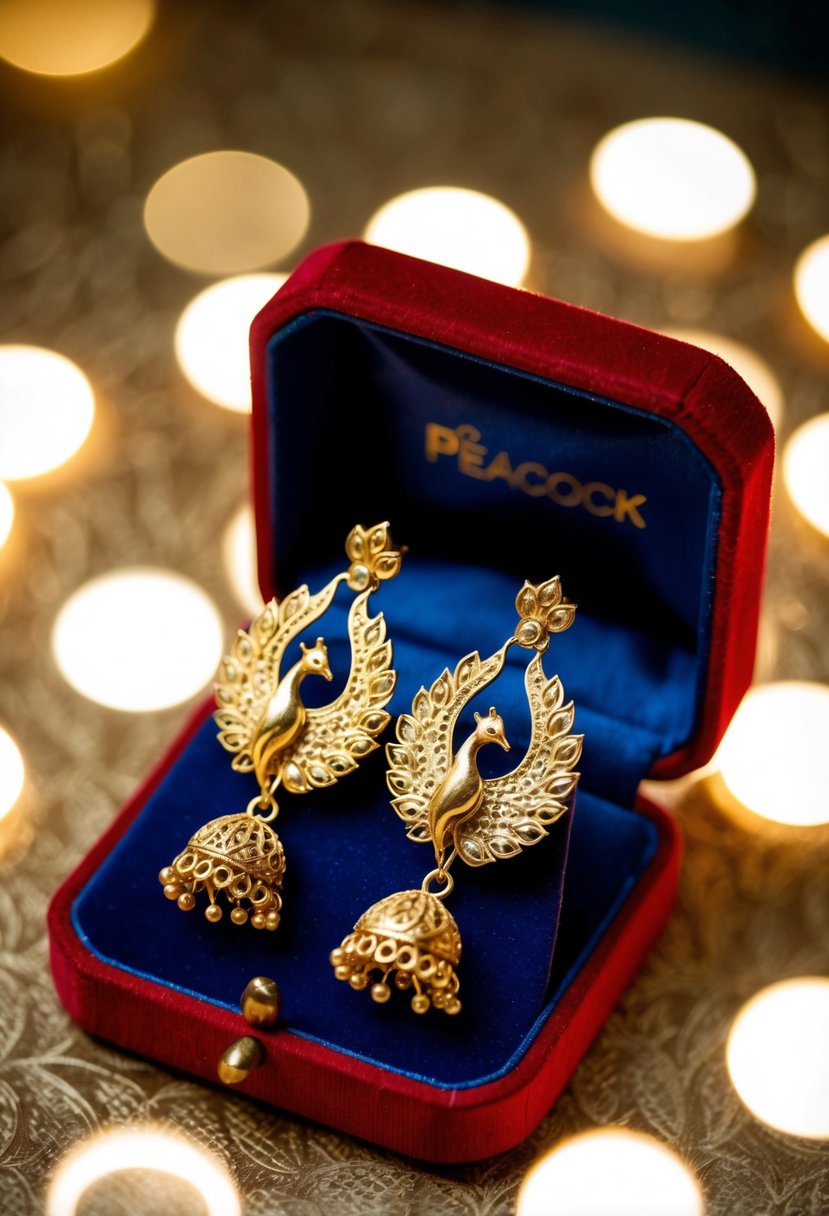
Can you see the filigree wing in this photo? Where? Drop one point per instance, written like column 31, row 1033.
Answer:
column 517, row 809
column 420, row 759
column 337, row 736
column 250, row 673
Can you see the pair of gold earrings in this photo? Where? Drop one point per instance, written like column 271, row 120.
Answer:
column 437, row 792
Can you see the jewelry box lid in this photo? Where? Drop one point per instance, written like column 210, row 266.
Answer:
column 492, row 420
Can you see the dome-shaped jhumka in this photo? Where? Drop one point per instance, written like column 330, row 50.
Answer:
column 239, row 856
column 411, row 936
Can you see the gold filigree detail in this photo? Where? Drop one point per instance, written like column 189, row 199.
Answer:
column 265, row 724
column 339, row 735
column 422, row 756
column 261, row 717
column 239, row 857
column 439, row 794
column 373, row 556
column 442, row 798
column 411, row 937
column 543, row 610
column 517, row 810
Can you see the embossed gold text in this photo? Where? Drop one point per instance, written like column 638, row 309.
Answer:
column 530, row 477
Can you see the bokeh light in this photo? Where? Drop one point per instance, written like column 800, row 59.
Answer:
column 239, row 558
column 212, row 337
column 46, row 410
column 12, row 773
column 611, row 1172
column 774, row 758
column 59, row 38
column 746, row 362
column 226, row 212
column 778, row 1056
column 141, row 1148
column 455, row 227
column 811, row 285
column 138, row 639
column 672, row 178
column 6, row 513
column 806, row 471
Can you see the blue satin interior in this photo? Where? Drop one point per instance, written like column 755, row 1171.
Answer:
column 634, row 662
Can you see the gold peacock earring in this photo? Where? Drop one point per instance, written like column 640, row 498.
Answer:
column 262, row 720
column 443, row 800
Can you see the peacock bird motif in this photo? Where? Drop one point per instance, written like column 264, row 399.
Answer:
column 440, row 795
column 285, row 714
column 262, row 718
column 461, row 791
column 443, row 800
column 270, row 732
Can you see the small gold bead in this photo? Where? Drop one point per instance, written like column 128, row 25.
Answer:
column 336, row 957
column 358, row 980
column 343, row 971
column 172, row 890
column 403, row 979
column 258, row 920
column 213, row 913
column 239, row 1060
column 186, row 901
column 272, row 921
column 358, row 577
column 380, row 993
column 239, row 916
column 166, row 875
column 453, row 1007
column 260, row 1002
column 528, row 633
column 420, row 1003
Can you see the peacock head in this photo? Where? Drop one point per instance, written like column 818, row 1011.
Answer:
column 491, row 729
column 314, row 660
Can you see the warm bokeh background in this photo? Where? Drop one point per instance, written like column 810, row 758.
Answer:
column 356, row 102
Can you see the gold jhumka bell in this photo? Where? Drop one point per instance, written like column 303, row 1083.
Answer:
column 264, row 723
column 444, row 801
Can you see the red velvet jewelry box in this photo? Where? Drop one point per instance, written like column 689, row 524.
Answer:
column 507, row 437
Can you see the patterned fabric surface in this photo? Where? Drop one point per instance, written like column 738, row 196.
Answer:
column 364, row 101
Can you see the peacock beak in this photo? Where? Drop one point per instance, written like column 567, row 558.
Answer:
column 502, row 740
column 326, row 671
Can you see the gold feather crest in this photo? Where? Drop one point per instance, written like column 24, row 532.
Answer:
column 516, row 810
column 420, row 759
column 261, row 718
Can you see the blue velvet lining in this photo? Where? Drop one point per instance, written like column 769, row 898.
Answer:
column 634, row 662
column 644, row 592
column 437, row 610
column 344, row 851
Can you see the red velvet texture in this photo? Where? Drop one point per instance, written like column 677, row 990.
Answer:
column 588, row 351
